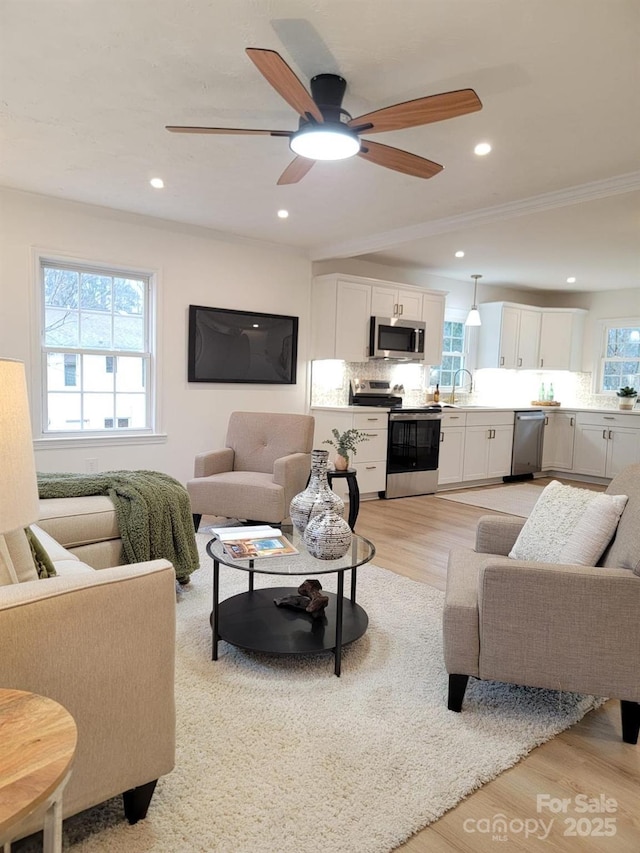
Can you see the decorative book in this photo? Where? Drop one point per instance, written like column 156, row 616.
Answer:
column 248, row 543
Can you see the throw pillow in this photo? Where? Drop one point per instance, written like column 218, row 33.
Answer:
column 569, row 525
column 41, row 559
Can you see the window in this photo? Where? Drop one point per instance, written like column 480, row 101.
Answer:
column 453, row 354
column 621, row 357
column 97, row 360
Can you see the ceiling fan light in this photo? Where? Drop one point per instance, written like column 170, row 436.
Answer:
column 327, row 143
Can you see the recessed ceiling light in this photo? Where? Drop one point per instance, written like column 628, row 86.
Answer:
column 571, row 279
column 256, row 325
column 482, row 148
column 283, row 214
column 157, row 183
column 460, row 254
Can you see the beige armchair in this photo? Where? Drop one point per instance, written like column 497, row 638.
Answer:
column 102, row 644
column 563, row 627
column 265, row 463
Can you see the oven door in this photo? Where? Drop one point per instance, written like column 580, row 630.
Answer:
column 412, row 454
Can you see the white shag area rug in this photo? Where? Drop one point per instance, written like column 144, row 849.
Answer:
column 277, row 755
column 515, row 499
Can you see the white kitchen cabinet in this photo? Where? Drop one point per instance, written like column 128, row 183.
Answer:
column 557, row 449
column 509, row 336
column 605, row 444
column 370, row 460
column 433, row 305
column 488, row 445
column 451, row 457
column 561, row 339
column 340, row 317
column 387, row 301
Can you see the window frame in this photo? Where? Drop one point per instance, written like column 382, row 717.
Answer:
column 456, row 315
column 605, row 328
column 115, row 436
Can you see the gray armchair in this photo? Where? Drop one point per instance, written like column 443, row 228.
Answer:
column 265, row 463
column 563, row 627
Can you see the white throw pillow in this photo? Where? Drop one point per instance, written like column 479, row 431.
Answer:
column 569, row 525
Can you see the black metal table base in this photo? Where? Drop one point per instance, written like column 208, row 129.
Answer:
column 251, row 620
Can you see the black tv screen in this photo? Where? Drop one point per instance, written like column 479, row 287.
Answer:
column 241, row 346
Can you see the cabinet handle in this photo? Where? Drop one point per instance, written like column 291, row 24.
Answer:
column 608, row 417
column 519, row 362
column 395, row 309
column 610, row 434
column 604, row 433
column 501, row 360
column 401, row 307
column 370, row 467
column 542, row 362
column 373, row 419
column 571, row 421
column 441, row 437
column 454, row 417
column 546, row 420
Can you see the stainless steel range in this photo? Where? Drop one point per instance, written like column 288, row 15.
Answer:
column 413, row 441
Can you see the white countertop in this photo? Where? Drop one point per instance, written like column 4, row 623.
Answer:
column 447, row 407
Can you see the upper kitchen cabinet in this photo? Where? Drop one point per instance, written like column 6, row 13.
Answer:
column 388, row 301
column 340, row 315
column 530, row 338
column 561, row 339
column 342, row 307
column 509, row 336
column 433, row 316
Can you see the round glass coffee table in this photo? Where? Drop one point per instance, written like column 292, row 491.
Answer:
column 251, row 620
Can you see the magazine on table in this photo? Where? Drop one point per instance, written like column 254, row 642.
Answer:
column 248, row 543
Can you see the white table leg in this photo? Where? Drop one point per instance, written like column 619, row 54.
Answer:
column 52, row 841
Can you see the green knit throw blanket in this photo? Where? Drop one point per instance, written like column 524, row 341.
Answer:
column 153, row 512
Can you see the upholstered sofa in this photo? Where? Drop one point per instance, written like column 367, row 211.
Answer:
column 554, row 625
column 101, row 641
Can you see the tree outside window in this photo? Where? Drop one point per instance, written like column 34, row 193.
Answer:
column 621, row 359
column 453, row 354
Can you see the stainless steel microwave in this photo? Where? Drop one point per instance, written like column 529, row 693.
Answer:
column 396, row 337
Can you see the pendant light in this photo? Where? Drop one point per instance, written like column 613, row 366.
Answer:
column 473, row 317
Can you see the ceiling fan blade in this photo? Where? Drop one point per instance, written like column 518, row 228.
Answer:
column 399, row 161
column 179, row 129
column 276, row 72
column 296, row 170
column 420, row 111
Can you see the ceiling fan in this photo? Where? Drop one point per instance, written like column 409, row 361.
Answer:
column 327, row 132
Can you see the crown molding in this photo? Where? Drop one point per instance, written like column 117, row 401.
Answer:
column 534, row 204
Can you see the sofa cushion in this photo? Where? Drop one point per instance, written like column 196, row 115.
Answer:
column 21, row 555
column 79, row 521
column 569, row 525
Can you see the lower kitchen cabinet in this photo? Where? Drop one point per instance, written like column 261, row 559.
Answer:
column 370, row 461
column 559, row 432
column 488, row 445
column 451, row 458
column 605, row 444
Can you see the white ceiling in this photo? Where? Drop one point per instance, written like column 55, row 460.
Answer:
column 86, row 89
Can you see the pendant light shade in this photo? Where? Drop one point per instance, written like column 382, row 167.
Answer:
column 473, row 317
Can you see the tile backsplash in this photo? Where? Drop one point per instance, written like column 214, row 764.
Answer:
column 499, row 387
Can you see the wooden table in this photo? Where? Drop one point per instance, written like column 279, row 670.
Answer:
column 37, row 745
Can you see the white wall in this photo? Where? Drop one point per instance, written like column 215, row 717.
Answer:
column 605, row 305
column 194, row 266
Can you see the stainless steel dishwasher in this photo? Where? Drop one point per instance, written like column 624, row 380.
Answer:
column 528, row 435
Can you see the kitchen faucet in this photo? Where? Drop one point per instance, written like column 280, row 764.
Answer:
column 452, row 396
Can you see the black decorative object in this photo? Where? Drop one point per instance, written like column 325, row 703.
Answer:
column 241, row 346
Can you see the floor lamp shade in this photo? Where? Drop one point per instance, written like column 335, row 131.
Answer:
column 18, row 486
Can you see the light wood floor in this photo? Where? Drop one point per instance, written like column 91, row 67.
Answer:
column 412, row 537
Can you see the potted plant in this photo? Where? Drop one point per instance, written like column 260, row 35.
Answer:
column 345, row 443
column 627, row 397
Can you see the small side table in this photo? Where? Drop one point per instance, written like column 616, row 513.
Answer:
column 37, row 743
column 354, row 492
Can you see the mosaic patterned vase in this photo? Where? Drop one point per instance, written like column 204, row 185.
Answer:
column 317, row 496
column 328, row 535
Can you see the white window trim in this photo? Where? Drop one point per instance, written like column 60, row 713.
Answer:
column 459, row 315
column 152, row 435
column 602, row 330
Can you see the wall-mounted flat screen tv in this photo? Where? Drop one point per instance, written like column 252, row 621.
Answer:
column 241, row 346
